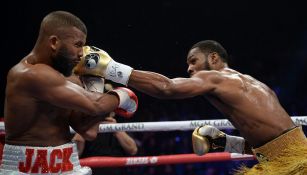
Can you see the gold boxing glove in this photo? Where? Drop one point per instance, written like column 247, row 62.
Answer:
column 210, row 139
column 98, row 63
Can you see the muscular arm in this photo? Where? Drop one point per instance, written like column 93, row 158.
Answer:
column 85, row 126
column 160, row 86
column 45, row 84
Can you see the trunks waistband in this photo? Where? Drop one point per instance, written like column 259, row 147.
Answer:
column 61, row 159
column 274, row 148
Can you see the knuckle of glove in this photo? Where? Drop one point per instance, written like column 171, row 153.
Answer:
column 93, row 62
column 201, row 144
column 128, row 102
column 210, row 131
column 208, row 139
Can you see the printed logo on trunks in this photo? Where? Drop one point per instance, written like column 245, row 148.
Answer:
column 261, row 157
column 56, row 161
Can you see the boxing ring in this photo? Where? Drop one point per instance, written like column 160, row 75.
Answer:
column 102, row 161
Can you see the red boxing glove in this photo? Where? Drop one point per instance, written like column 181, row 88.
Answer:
column 128, row 102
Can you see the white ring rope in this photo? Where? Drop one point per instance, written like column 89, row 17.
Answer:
column 177, row 125
column 172, row 125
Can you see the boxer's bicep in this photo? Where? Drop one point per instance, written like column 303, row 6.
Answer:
column 63, row 93
column 201, row 83
column 53, row 88
column 190, row 87
column 72, row 96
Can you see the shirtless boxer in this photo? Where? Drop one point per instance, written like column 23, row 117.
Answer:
column 41, row 104
column 251, row 106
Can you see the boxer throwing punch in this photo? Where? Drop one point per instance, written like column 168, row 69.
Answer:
column 251, row 106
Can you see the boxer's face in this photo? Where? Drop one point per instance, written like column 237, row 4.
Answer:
column 69, row 52
column 197, row 61
column 64, row 61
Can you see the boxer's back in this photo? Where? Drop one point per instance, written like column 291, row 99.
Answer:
column 251, row 106
column 28, row 120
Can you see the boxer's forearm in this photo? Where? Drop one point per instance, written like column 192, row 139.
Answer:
column 151, row 83
column 160, row 86
column 127, row 143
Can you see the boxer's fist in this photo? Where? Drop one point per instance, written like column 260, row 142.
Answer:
column 128, row 101
column 98, row 62
column 203, row 137
column 210, row 139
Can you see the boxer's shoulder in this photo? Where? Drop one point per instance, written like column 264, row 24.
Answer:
column 41, row 75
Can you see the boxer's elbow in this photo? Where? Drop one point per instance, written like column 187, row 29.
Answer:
column 133, row 150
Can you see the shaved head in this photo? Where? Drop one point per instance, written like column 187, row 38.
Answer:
column 55, row 22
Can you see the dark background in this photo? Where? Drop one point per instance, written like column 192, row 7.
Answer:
column 265, row 39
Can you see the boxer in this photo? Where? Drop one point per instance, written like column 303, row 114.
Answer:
column 251, row 106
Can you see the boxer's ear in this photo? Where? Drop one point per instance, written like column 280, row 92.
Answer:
column 213, row 58
column 53, row 42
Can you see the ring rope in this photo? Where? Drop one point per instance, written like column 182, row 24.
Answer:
column 101, row 161
column 171, row 125
column 177, row 125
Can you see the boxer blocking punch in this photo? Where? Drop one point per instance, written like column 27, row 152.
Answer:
column 97, row 62
column 115, row 144
column 93, row 83
column 41, row 103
